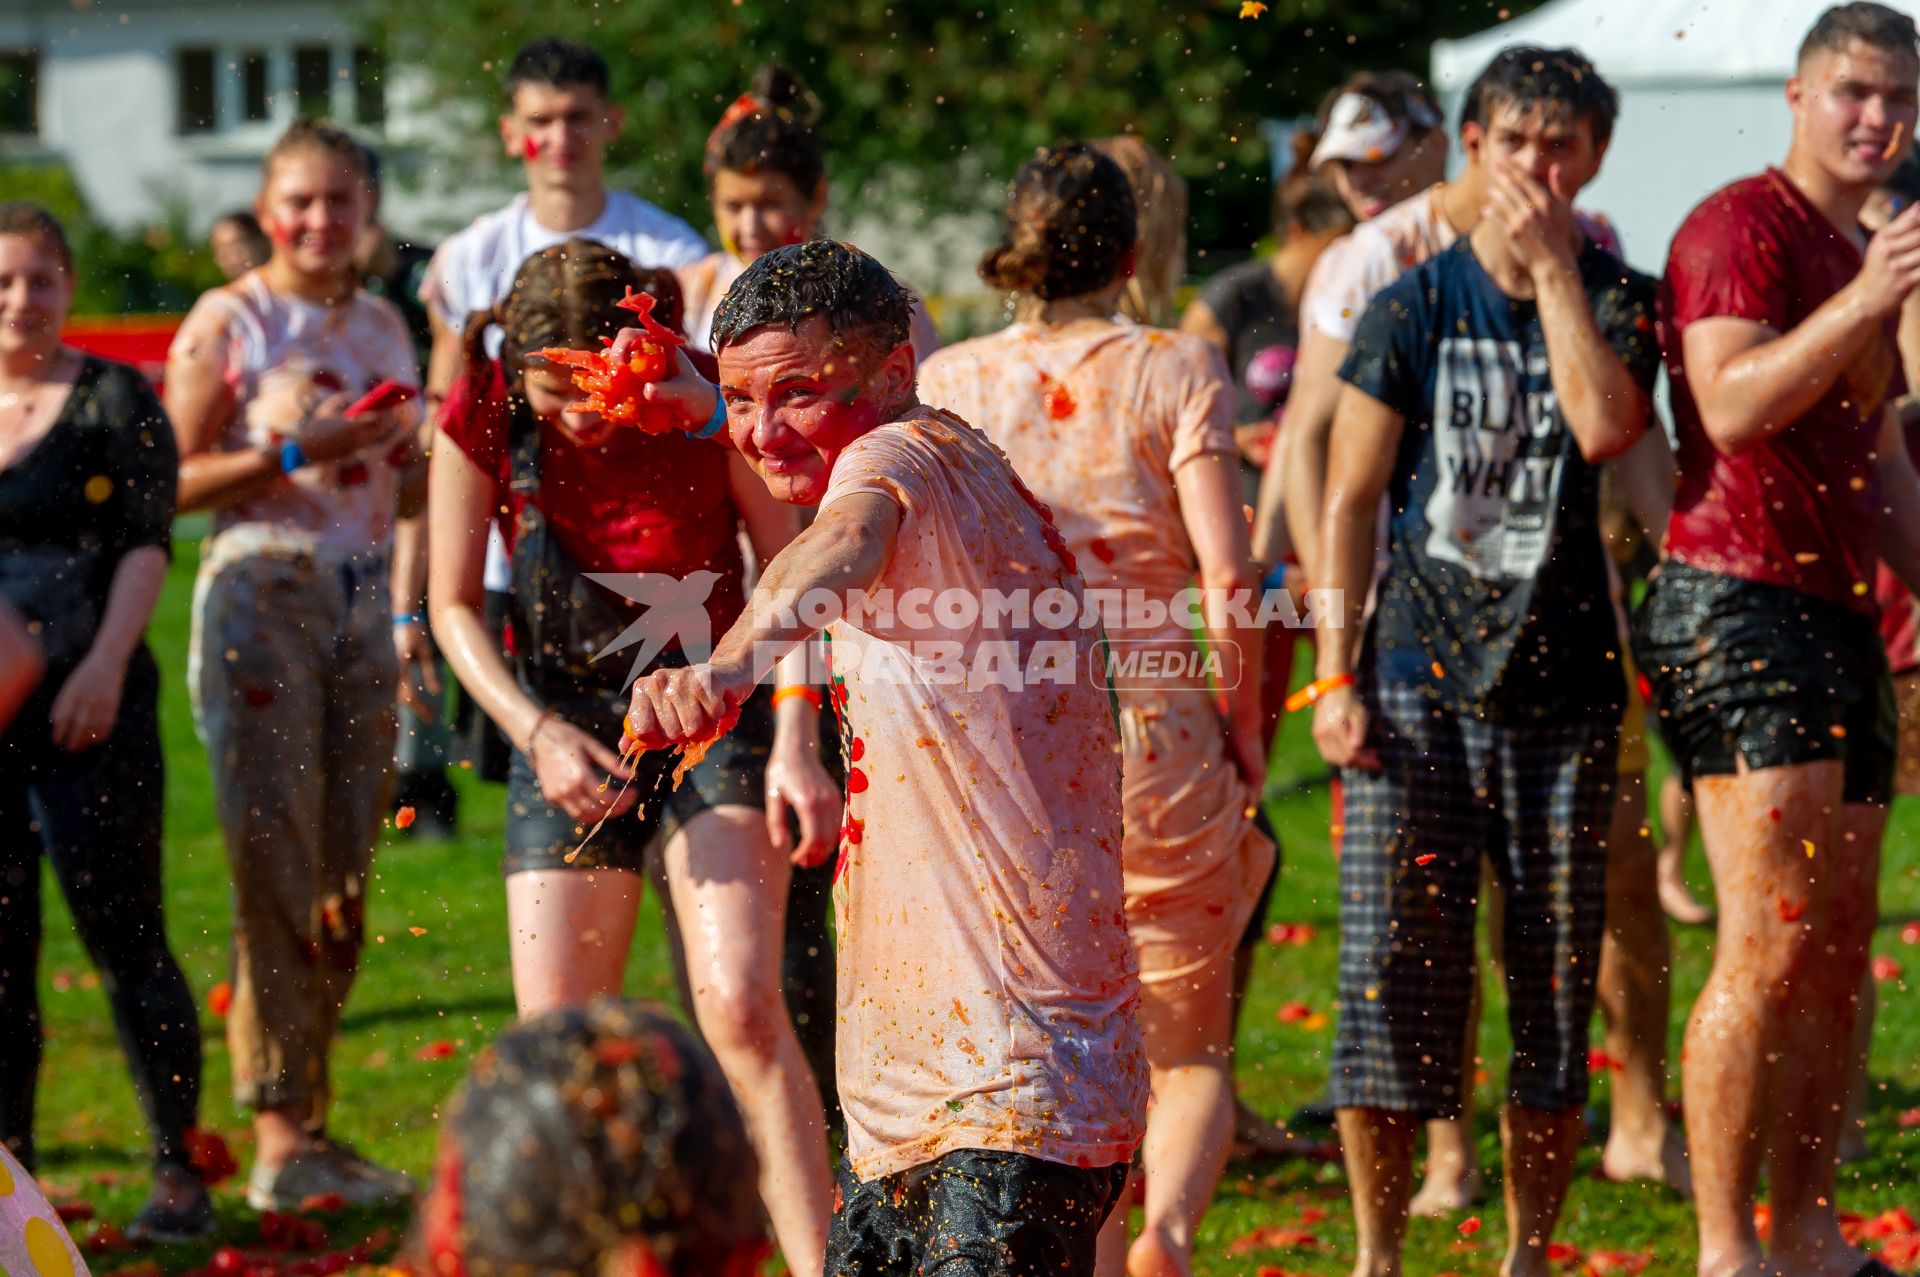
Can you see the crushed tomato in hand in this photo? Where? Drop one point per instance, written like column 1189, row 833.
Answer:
column 615, row 391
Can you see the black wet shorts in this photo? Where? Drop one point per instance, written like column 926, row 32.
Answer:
column 733, row 773
column 973, row 1213
column 1775, row 676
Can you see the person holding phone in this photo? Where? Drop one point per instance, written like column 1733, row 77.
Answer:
column 293, row 660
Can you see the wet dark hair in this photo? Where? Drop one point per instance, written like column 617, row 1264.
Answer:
column 1304, row 198
column 1873, row 25
column 1071, row 221
column 1559, row 81
column 25, row 218
column 557, row 62
column 581, row 1129
column 769, row 129
column 567, row 295
column 859, row 298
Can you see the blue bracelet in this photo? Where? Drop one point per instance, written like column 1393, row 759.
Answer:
column 717, row 420
column 1275, row 579
column 291, row 457
column 410, row 618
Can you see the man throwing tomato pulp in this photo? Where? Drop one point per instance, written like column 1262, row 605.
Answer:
column 990, row 1064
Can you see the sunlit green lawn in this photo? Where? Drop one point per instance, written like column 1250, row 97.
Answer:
column 451, row 984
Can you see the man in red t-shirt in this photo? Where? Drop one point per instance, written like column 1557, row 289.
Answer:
column 1759, row 634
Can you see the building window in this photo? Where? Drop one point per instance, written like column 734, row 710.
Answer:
column 313, row 79
column 194, row 71
column 256, row 87
column 20, row 92
column 369, row 86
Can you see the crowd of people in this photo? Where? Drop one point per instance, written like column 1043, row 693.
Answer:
column 956, row 851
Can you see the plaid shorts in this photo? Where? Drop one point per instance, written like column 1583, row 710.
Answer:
column 1537, row 800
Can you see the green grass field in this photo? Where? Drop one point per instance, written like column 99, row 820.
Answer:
column 451, row 984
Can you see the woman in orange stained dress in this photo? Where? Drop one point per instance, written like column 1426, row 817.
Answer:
column 1126, row 433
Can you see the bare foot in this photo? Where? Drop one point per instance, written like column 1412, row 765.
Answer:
column 1676, row 897
column 1621, row 1163
column 1154, row 1254
column 1445, row 1194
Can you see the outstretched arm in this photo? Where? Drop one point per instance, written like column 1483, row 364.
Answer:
column 846, row 549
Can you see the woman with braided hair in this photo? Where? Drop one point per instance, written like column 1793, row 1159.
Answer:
column 601, row 518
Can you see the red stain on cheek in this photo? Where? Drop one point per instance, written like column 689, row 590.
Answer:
column 280, row 232
column 529, row 149
column 1790, row 910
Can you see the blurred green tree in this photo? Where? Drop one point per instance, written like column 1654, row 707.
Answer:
column 911, row 87
column 160, row 269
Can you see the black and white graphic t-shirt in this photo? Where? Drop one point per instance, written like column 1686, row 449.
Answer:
column 1495, row 596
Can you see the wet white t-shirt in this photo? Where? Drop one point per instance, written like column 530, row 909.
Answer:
column 987, row 986
column 280, row 356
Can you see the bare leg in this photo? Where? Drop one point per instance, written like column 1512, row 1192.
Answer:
column 730, row 896
column 1817, row 1016
column 1540, row 1145
column 1110, row 1251
column 1676, row 827
column 1378, row 1145
column 1635, row 1002
column 1452, row 1182
column 1188, row 1026
column 1760, row 1054
column 570, row 931
column 1853, row 1129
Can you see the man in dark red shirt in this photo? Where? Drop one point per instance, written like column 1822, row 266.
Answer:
column 1759, row 631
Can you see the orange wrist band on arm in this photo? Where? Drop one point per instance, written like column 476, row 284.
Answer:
column 807, row 694
column 1315, row 690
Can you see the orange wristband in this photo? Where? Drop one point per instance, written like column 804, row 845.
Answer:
column 807, row 694
column 1315, row 690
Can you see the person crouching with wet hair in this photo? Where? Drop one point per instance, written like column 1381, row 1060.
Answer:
column 599, row 1139
column 989, row 1060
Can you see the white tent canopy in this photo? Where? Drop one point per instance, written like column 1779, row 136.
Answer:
column 1700, row 85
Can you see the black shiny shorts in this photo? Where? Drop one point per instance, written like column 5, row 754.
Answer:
column 1744, row 669
column 973, row 1213
column 733, row 773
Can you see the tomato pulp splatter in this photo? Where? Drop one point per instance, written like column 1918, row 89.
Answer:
column 615, row 391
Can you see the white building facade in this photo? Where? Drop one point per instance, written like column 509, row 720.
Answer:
column 158, row 104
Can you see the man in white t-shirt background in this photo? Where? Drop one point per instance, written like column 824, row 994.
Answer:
column 559, row 120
